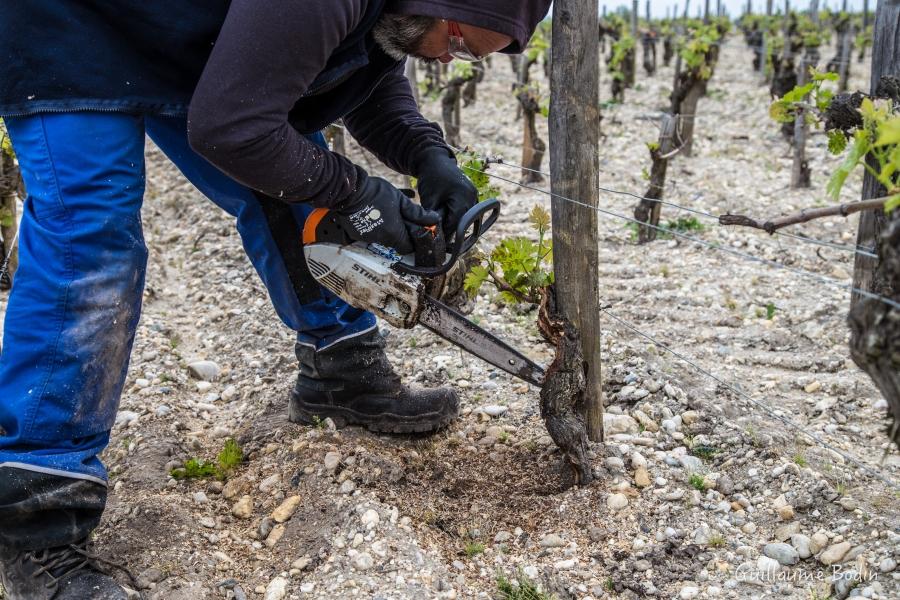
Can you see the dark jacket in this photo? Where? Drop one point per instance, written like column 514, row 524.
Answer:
column 256, row 74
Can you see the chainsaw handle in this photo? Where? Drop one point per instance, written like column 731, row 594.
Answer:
column 479, row 219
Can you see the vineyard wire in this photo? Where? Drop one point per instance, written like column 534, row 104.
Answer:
column 796, row 270
column 752, row 400
column 843, row 247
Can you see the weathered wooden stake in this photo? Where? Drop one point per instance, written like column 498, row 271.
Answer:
column 800, row 173
column 885, row 53
column 632, row 57
column 846, row 51
column 574, row 168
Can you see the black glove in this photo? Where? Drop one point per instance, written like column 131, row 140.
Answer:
column 380, row 213
column 444, row 188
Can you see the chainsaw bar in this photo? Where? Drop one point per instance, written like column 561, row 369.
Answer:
column 455, row 328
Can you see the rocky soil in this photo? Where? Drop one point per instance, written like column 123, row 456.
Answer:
column 699, row 493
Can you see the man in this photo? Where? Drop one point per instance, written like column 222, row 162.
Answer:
column 235, row 93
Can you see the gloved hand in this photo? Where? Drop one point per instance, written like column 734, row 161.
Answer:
column 380, row 213
column 444, row 188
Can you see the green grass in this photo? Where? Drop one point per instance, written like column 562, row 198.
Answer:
column 226, row 461
column 525, row 590
column 704, row 451
column 697, row 482
column 716, row 541
column 679, row 225
column 473, row 549
column 800, row 460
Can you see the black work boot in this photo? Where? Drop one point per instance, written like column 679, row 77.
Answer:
column 353, row 383
column 62, row 573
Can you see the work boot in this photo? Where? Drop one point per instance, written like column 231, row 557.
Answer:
column 353, row 383
column 62, row 573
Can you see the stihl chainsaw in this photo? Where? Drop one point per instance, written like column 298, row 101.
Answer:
column 403, row 290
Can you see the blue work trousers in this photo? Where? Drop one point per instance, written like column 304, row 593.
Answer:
column 76, row 299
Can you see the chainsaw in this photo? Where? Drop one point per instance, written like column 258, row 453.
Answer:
column 404, row 290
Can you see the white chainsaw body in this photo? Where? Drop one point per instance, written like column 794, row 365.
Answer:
column 361, row 275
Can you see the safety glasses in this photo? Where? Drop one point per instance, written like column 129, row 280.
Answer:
column 458, row 48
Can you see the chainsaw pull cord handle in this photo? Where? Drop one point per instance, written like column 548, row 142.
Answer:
column 479, row 219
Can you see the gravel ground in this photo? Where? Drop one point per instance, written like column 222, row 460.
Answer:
column 700, row 493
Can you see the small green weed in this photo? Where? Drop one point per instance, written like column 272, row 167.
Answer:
column 704, row 451
column 473, row 549
column 800, row 460
column 522, row 589
column 716, row 541
column 685, row 224
column 679, row 225
column 697, row 482
column 770, row 311
column 226, row 461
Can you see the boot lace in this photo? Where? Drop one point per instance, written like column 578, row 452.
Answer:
column 62, row 561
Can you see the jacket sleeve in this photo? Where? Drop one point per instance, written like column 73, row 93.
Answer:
column 267, row 54
column 390, row 125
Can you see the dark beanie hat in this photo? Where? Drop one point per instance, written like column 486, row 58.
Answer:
column 515, row 18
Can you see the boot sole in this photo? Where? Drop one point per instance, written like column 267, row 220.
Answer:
column 309, row 414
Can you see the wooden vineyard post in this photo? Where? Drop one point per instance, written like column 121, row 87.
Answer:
column 647, row 210
column 648, row 44
column 846, row 51
column 800, row 175
column 574, row 169
column 875, row 325
column 885, row 53
column 632, row 56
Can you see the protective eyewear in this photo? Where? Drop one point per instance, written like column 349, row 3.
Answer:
column 458, row 48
